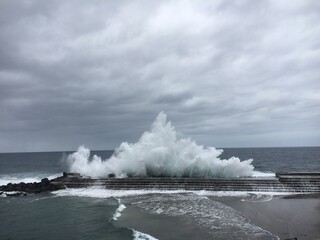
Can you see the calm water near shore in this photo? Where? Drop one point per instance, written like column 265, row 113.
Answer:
column 101, row 214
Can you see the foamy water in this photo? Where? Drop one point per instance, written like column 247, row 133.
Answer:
column 160, row 153
column 26, row 178
column 136, row 234
column 218, row 219
column 101, row 192
column 120, row 208
column 259, row 174
column 195, row 206
column 142, row 236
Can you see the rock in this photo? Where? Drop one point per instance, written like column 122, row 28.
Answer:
column 45, row 180
column 111, row 175
column 21, row 189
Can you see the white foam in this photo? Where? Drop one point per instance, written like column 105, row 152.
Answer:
column 12, row 193
column 217, row 219
column 12, row 179
column 257, row 198
column 3, row 194
column 159, row 211
column 263, row 174
column 27, row 178
column 159, row 153
column 100, row 192
column 241, row 193
column 221, row 193
column 117, row 214
column 55, row 175
column 142, row 236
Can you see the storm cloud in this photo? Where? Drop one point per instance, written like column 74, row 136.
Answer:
column 227, row 73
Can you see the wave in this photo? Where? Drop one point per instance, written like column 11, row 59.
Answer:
column 101, row 192
column 159, row 153
column 12, row 193
column 257, row 198
column 142, row 236
column 4, row 180
column 26, row 177
column 120, row 208
column 215, row 218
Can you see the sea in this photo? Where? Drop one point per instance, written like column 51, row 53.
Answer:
column 97, row 213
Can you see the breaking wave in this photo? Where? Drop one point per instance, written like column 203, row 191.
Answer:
column 159, row 153
column 142, row 236
column 120, row 208
column 26, row 177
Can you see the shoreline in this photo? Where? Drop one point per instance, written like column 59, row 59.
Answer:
column 288, row 218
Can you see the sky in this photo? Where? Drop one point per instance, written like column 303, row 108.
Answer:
column 227, row 73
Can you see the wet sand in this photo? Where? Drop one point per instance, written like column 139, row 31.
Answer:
column 287, row 218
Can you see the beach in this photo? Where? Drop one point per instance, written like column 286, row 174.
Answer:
column 265, row 217
column 286, row 217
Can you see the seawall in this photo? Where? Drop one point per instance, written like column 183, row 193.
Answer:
column 283, row 182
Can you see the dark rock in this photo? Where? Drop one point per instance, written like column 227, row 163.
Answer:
column 74, row 175
column 45, row 180
column 22, row 188
column 111, row 175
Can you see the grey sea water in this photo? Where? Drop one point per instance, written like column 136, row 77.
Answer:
column 90, row 213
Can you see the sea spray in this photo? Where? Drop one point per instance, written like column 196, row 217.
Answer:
column 159, row 153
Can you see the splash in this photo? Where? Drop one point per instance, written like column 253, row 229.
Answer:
column 159, row 153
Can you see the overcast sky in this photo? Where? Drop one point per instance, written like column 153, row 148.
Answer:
column 227, row 73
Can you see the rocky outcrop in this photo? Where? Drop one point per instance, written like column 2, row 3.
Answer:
column 18, row 189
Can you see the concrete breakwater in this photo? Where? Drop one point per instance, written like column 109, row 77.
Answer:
column 282, row 182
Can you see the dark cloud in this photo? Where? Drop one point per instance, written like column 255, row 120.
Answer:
column 227, row 73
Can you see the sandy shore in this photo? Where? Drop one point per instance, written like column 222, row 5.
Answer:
column 287, row 218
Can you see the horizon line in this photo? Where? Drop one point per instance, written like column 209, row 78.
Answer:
column 57, row 151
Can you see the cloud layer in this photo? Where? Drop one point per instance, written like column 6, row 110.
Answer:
column 227, row 73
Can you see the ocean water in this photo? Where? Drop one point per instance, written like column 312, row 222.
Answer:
column 97, row 213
